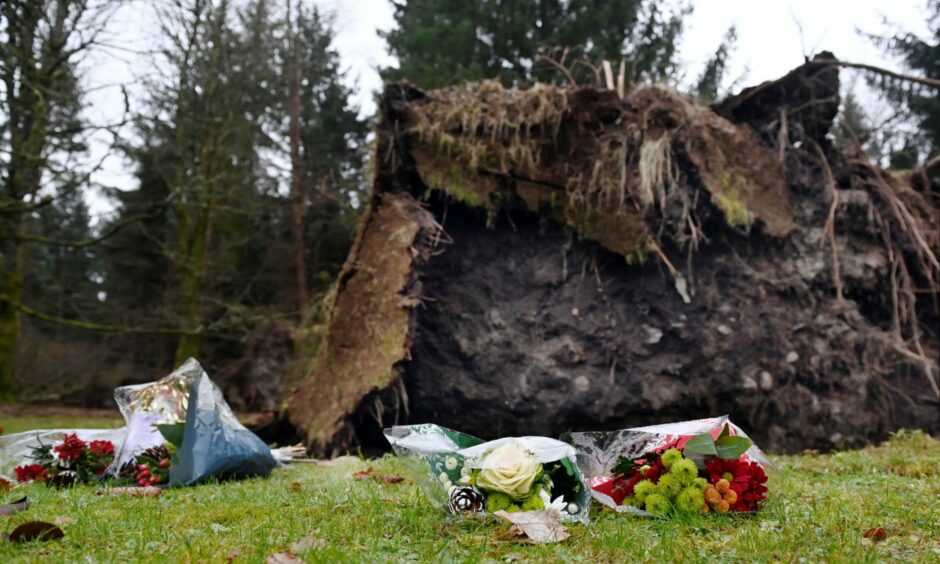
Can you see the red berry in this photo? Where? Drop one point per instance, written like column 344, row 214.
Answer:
column 165, row 463
column 142, row 467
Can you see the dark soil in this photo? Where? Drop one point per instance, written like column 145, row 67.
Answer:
column 525, row 330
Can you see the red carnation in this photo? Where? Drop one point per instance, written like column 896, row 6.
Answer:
column 747, row 479
column 624, row 483
column 30, row 472
column 102, row 448
column 71, row 448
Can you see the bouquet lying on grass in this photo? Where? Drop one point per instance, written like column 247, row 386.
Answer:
column 704, row 466
column 514, row 475
column 179, row 431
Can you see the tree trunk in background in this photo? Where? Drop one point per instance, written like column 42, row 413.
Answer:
column 12, row 281
column 298, row 203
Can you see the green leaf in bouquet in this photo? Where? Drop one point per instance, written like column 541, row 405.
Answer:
column 624, row 466
column 173, row 433
column 731, row 448
column 701, row 445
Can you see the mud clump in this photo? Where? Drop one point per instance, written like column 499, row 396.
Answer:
column 542, row 260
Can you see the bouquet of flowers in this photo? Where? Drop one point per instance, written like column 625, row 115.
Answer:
column 702, row 466
column 67, row 462
column 180, row 430
column 468, row 475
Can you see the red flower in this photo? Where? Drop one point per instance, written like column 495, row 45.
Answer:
column 30, row 472
column 624, row 483
column 747, row 480
column 102, row 448
column 71, row 448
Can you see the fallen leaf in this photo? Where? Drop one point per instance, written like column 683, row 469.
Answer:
column 232, row 555
column 282, row 558
column 14, row 507
column 5, row 485
column 876, row 534
column 307, row 543
column 371, row 473
column 146, row 491
column 295, row 486
column 536, row 526
column 63, row 520
column 36, row 530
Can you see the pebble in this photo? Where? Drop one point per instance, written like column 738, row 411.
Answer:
column 766, row 380
column 792, row 357
column 725, row 330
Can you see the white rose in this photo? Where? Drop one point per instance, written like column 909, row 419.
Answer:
column 510, row 469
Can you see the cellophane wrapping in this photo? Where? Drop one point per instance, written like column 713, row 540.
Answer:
column 437, row 458
column 600, row 451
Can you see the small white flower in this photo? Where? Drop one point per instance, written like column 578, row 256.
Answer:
column 450, row 463
column 465, row 479
column 572, row 508
column 558, row 504
column 444, row 478
column 448, row 485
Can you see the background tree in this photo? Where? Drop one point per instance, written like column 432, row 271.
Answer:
column 442, row 42
column 41, row 134
column 215, row 138
column 910, row 146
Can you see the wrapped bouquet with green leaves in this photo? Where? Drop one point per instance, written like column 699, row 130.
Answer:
column 513, row 475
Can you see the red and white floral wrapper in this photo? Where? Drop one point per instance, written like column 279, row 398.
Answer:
column 600, row 451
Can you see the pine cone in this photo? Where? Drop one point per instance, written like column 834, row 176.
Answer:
column 465, row 500
column 157, row 452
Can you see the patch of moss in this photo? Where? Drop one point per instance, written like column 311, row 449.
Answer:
column 728, row 200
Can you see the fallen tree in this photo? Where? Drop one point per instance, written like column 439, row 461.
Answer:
column 545, row 259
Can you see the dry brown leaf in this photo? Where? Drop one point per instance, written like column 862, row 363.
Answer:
column 14, row 506
column 295, row 487
column 36, row 530
column 232, row 555
column 384, row 478
column 283, row 558
column 307, row 543
column 536, row 526
column 876, row 534
column 146, row 491
column 5, row 485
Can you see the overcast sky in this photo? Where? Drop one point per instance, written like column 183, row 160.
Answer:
column 773, row 37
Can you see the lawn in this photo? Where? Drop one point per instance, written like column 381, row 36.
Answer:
column 819, row 508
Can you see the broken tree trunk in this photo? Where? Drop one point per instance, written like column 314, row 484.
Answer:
column 534, row 261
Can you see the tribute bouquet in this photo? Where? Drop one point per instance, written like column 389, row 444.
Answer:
column 179, row 430
column 702, row 466
column 516, row 474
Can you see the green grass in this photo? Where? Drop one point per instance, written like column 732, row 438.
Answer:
column 13, row 424
column 820, row 505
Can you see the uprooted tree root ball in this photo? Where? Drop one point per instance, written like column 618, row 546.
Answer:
column 542, row 259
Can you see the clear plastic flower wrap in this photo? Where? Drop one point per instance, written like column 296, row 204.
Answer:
column 514, row 474
column 212, row 443
column 700, row 466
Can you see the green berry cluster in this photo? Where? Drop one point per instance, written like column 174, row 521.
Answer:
column 678, row 489
column 498, row 501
